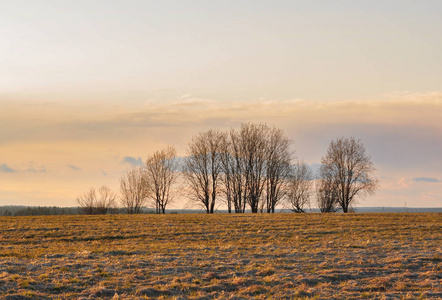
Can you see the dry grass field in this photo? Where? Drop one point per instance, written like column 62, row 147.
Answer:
column 280, row 256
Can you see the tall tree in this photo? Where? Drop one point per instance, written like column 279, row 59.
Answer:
column 134, row 190
column 254, row 146
column 233, row 172
column 202, row 168
column 228, row 172
column 350, row 171
column 161, row 173
column 299, row 187
column 278, row 167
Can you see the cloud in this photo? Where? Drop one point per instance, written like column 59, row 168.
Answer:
column 391, row 110
column 4, row 168
column 406, row 183
column 75, row 168
column 425, row 179
column 132, row 160
column 189, row 100
column 34, row 170
column 84, row 122
column 391, row 126
column 31, row 168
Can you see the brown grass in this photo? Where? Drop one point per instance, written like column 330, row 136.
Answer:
column 309, row 256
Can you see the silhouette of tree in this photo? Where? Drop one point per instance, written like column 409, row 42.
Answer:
column 202, row 168
column 134, row 190
column 299, row 187
column 93, row 204
column 348, row 171
column 161, row 173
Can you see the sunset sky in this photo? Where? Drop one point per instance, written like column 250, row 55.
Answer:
column 89, row 87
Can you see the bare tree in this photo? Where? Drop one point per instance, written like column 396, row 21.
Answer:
column 87, row 201
column 91, row 204
column 134, row 190
column 349, row 169
column 202, row 168
column 228, row 171
column 233, row 172
column 278, row 167
column 254, row 145
column 326, row 195
column 161, row 172
column 299, row 187
column 106, row 200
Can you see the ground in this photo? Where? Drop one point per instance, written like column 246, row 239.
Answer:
column 279, row 256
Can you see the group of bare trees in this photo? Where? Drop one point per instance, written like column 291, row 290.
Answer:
column 139, row 185
column 150, row 183
column 243, row 168
column 346, row 174
column 252, row 167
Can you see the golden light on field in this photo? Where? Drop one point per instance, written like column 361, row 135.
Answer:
column 221, row 256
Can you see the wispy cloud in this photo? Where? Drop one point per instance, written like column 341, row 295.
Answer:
column 34, row 170
column 4, row 168
column 390, row 110
column 81, row 123
column 132, row 160
column 425, row 179
column 75, row 168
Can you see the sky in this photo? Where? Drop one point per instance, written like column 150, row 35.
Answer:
column 88, row 88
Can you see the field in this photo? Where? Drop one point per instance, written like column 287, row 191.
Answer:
column 308, row 256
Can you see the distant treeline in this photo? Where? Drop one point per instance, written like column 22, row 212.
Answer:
column 52, row 211
column 37, row 210
column 58, row 211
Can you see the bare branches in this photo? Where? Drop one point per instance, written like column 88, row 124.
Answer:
column 299, row 187
column 91, row 204
column 255, row 164
column 326, row 195
column 202, row 168
column 161, row 172
column 134, row 190
column 278, row 167
column 234, row 180
column 254, row 145
column 87, row 201
column 349, row 171
column 106, row 200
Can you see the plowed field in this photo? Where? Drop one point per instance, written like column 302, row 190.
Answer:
column 317, row 256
